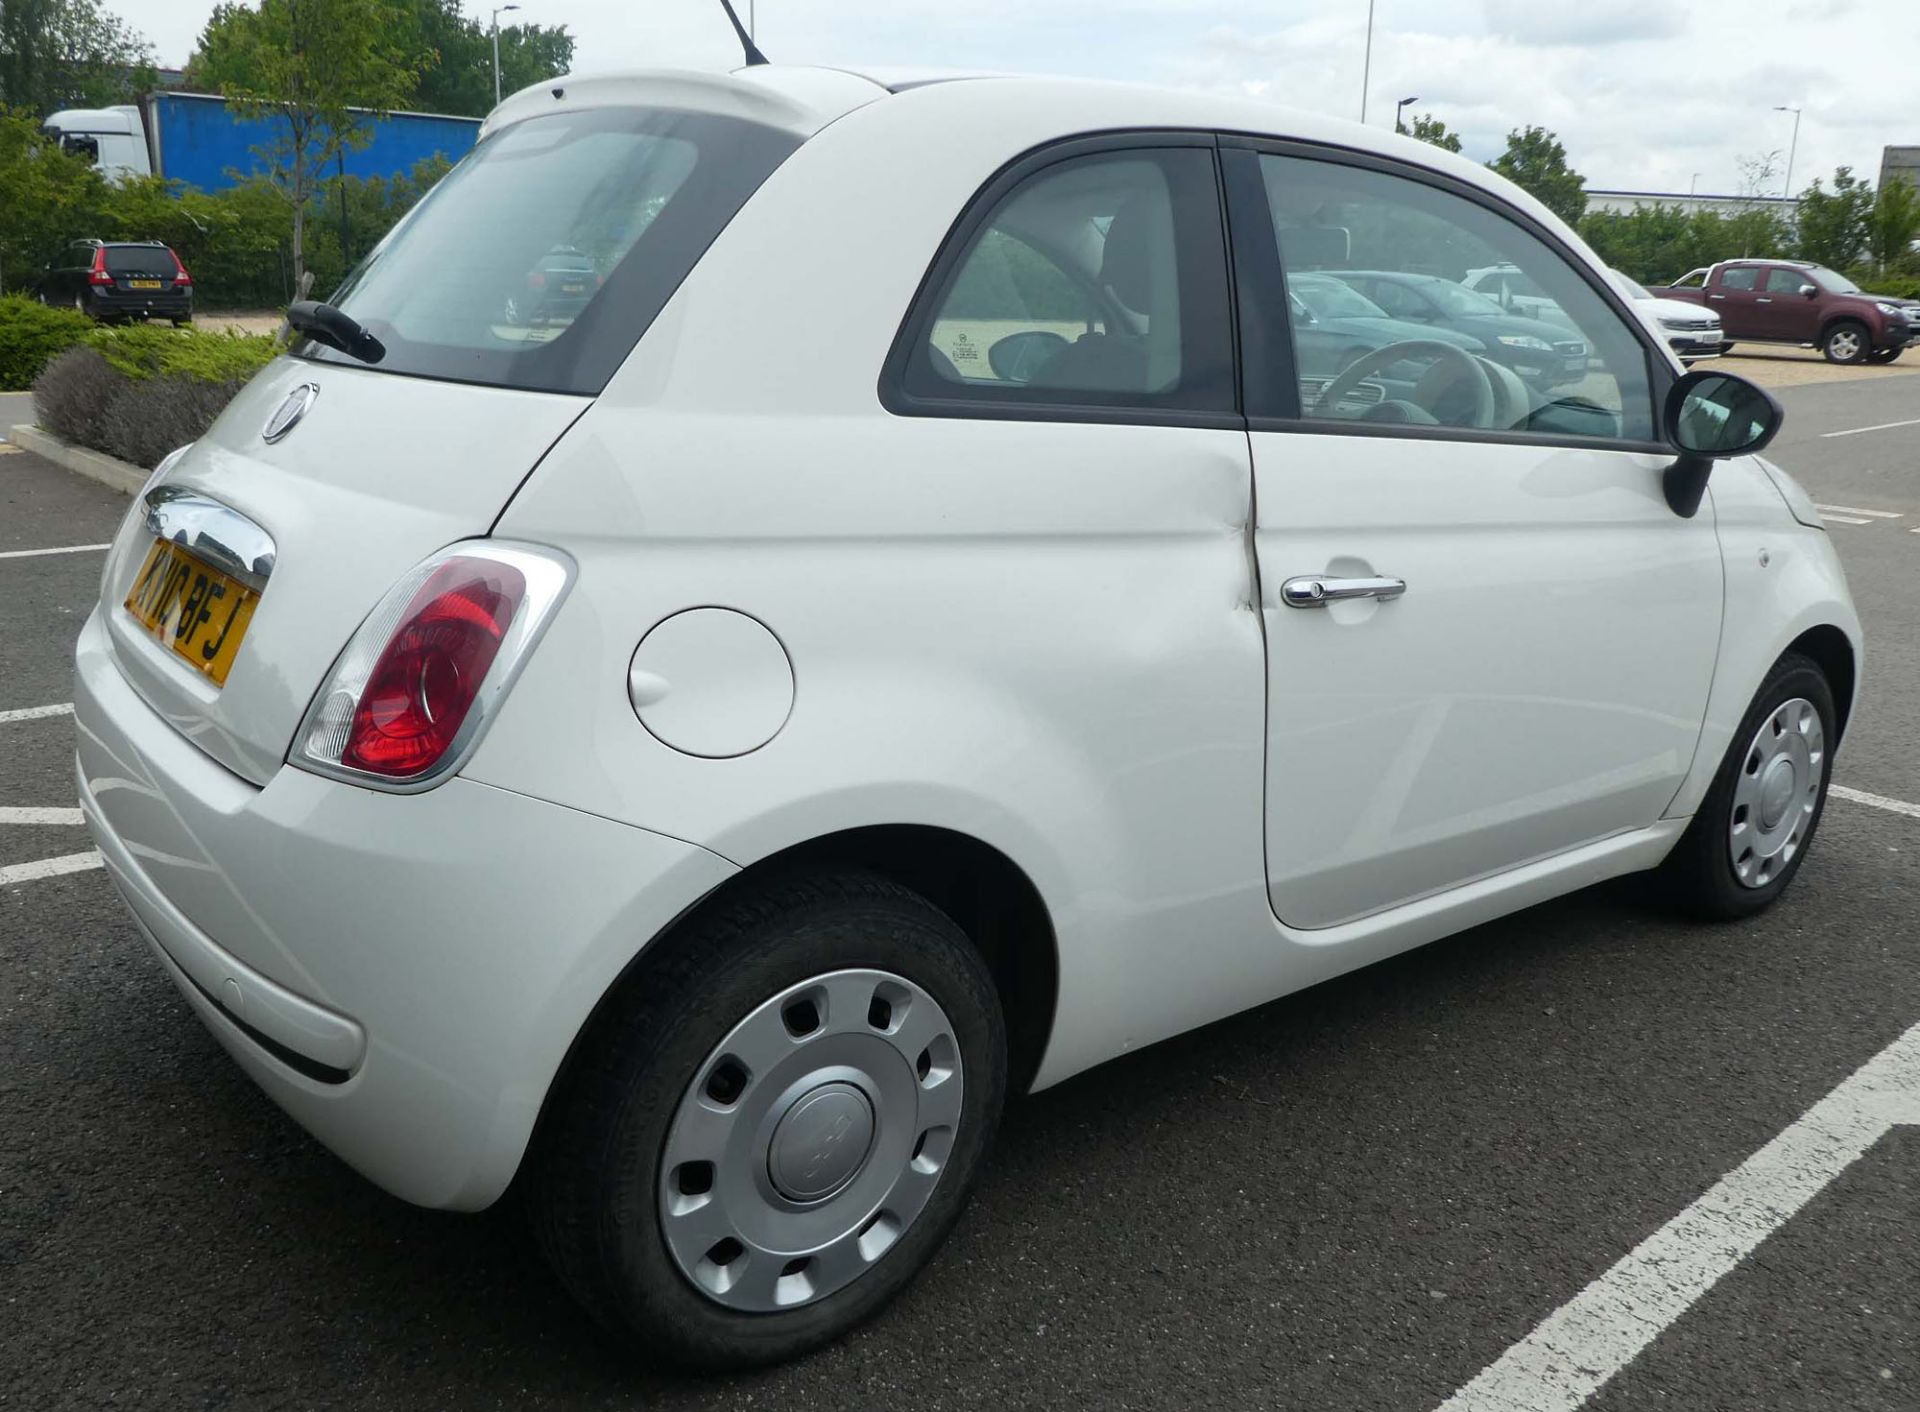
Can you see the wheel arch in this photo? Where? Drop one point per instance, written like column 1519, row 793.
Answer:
column 1831, row 650
column 988, row 895
column 1833, row 321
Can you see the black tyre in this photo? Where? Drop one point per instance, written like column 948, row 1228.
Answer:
column 1726, row 347
column 1846, row 342
column 1885, row 355
column 1754, row 828
column 774, row 1122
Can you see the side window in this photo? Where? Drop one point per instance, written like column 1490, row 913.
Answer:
column 1396, row 299
column 1098, row 281
column 1415, row 346
column 1738, row 279
column 1786, row 281
column 1011, row 307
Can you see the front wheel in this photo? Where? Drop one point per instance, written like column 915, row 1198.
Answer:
column 1754, row 827
column 1885, row 355
column 775, row 1124
column 1846, row 342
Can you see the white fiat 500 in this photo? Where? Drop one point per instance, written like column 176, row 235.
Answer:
column 897, row 634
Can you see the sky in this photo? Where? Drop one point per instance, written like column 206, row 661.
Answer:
column 1647, row 95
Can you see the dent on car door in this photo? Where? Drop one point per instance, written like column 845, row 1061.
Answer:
column 1490, row 640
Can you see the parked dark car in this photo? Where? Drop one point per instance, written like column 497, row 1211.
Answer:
column 1792, row 301
column 132, row 279
column 1334, row 325
column 558, row 287
column 1543, row 355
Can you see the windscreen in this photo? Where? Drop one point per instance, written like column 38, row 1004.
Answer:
column 540, row 260
column 140, row 260
column 1831, row 282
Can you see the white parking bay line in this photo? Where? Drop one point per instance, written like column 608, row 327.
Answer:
column 1878, row 801
column 1856, row 510
column 1842, row 519
column 1572, row 1353
column 63, row 549
column 36, row 713
column 1883, row 426
column 41, row 816
column 48, row 868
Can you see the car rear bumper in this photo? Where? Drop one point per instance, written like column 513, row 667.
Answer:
column 402, row 974
column 159, row 303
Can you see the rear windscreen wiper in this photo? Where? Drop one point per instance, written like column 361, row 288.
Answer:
column 338, row 330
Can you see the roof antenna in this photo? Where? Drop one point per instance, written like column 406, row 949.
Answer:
column 754, row 56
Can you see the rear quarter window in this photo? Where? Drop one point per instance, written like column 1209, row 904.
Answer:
column 540, row 260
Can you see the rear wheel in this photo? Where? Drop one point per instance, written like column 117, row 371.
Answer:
column 1846, row 342
column 1754, row 827
column 1885, row 355
column 775, row 1125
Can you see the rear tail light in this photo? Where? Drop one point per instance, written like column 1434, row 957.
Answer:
column 407, row 701
column 180, row 275
column 98, row 274
column 536, row 280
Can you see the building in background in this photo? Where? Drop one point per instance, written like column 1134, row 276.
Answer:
column 1621, row 202
column 1900, row 162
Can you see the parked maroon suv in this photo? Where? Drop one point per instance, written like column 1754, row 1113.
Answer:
column 1791, row 301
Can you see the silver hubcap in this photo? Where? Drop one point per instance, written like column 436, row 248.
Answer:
column 1776, row 793
column 1845, row 346
column 810, row 1139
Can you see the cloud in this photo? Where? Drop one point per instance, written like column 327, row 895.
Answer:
column 1612, row 22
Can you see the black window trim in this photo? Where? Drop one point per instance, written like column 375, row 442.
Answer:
column 922, row 308
column 1236, row 172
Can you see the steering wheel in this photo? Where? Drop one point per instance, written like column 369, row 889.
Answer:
column 1465, row 366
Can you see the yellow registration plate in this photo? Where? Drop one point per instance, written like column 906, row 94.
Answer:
column 198, row 611
column 143, row 284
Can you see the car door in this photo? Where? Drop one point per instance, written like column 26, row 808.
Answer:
column 1782, row 311
column 1732, row 294
column 75, row 266
column 1489, row 639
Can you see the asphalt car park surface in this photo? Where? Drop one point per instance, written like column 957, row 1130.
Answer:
column 1356, row 1198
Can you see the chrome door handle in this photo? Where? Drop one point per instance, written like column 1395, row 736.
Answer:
column 1763, row 300
column 1716, row 296
column 1318, row 590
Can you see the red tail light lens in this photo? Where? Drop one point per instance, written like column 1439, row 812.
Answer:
column 180, row 275
column 423, row 684
column 98, row 274
column 536, row 280
column 407, row 699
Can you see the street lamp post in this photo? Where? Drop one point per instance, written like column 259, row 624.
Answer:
column 1366, row 66
column 1792, row 147
column 496, row 50
column 1397, row 107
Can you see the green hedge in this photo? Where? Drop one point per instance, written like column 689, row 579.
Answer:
column 138, row 392
column 30, row 335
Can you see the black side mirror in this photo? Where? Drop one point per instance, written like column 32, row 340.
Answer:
column 1018, row 356
column 1711, row 415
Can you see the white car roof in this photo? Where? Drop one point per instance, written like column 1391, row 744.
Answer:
column 804, row 100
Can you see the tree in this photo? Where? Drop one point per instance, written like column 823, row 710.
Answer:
column 1833, row 224
column 69, row 54
column 47, row 197
column 310, row 64
column 1893, row 224
column 460, row 76
column 1428, row 128
column 1536, row 162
